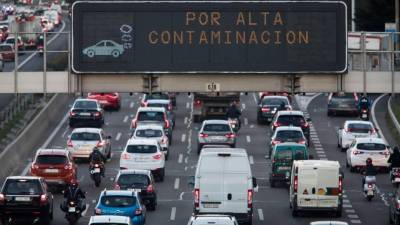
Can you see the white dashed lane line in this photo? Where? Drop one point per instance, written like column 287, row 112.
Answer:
column 131, row 105
column 118, row 136
column 251, row 159
column 126, row 119
column 183, row 137
column 260, row 214
column 180, row 158
column 185, row 121
column 246, row 121
column 176, row 183
column 187, row 105
column 173, row 213
column 248, row 139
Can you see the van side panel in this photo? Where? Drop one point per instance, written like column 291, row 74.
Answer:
column 328, row 187
column 306, row 193
column 211, row 192
column 235, row 185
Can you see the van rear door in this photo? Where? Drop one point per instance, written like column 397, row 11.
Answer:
column 237, row 178
column 211, row 184
column 307, row 187
column 328, row 187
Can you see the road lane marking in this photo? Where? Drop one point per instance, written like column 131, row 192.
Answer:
column 186, row 160
column 350, row 211
column 132, row 105
column 251, row 159
column 183, row 137
column 180, row 158
column 186, row 120
column 248, row 138
column 346, row 201
column 118, row 136
column 260, row 214
column 187, row 105
column 319, row 149
column 85, row 211
column 176, row 184
column 243, row 106
column 65, row 132
column 347, row 206
column 173, row 213
column 355, row 221
column 320, row 152
column 126, row 119
column 353, row 216
column 246, row 121
column 255, row 98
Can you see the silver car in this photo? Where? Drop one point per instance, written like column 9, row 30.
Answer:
column 215, row 132
column 153, row 131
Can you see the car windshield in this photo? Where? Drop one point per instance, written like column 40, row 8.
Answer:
column 5, row 48
column 148, row 133
column 359, row 128
column 216, row 128
column 10, row 41
column 371, row 146
column 85, row 136
column 274, row 101
column 295, row 120
column 343, row 102
column 288, row 134
column 152, row 116
column 118, row 201
column 22, row 187
column 85, row 105
column 133, row 179
column 162, row 105
column 141, row 149
column 157, row 96
column 284, row 155
column 51, row 159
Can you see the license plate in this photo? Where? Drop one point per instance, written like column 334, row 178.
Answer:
column 364, row 116
column 103, row 102
column 210, row 205
column 218, row 138
column 51, row 170
column 71, row 209
column 97, row 170
column 397, row 179
column 284, row 168
column 140, row 160
column 22, row 199
column 84, row 114
column 370, row 192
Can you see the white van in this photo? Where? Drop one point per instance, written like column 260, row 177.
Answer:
column 316, row 185
column 223, row 184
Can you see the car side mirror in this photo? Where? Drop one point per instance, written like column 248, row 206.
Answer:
column 191, row 180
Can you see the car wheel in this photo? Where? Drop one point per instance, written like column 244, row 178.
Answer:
column 259, row 121
column 342, row 149
column 71, row 124
column 396, row 220
column 90, row 53
column 294, row 210
column 162, row 174
column 352, row 169
column 115, row 53
column 152, row 206
column 338, row 213
column 166, row 155
column 109, row 153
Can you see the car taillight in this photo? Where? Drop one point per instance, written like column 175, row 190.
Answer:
column 197, row 103
column 117, row 187
column 97, row 114
column 169, row 107
column 71, row 113
column 356, row 152
column 372, row 131
column 265, row 109
column 347, row 130
column 249, row 199
column 43, row 199
column 2, row 198
column 386, row 153
column 296, row 183
column 150, row 189
column 126, row 156
column 100, row 144
column 277, row 124
column 340, row 184
column 230, row 135
column 69, row 143
column 157, row 156
column 138, row 212
column 397, row 204
column 274, row 142
column 369, row 185
column 166, row 123
column 133, row 123
column 143, row 104
column 34, row 166
column 305, row 125
column 303, row 142
column 96, row 165
column 164, row 140
column 97, row 211
column 196, row 198
column 68, row 166
column 203, row 135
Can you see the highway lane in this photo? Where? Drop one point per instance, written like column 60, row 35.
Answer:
column 175, row 197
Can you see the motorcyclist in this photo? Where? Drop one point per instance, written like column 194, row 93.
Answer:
column 233, row 112
column 394, row 158
column 368, row 171
column 364, row 103
column 96, row 157
column 74, row 194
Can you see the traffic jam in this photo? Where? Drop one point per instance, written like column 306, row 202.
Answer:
column 223, row 186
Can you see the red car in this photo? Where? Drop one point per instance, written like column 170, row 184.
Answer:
column 7, row 52
column 107, row 100
column 55, row 166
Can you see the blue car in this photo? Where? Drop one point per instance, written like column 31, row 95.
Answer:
column 121, row 203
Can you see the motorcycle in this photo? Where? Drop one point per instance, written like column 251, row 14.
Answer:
column 364, row 114
column 395, row 176
column 95, row 173
column 73, row 212
column 369, row 187
column 234, row 122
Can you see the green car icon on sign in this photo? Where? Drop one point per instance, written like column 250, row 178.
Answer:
column 105, row 48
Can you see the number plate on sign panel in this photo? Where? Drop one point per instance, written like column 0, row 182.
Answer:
column 51, row 170
column 71, row 209
column 22, row 199
column 208, row 205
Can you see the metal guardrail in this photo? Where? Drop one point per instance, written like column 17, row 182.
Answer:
column 392, row 116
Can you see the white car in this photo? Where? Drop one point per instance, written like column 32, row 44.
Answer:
column 212, row 219
column 153, row 131
column 144, row 154
column 363, row 148
column 82, row 141
column 112, row 220
column 353, row 129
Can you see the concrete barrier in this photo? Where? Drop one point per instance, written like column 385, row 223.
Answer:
column 16, row 154
column 392, row 116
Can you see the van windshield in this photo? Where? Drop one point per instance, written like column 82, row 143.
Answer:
column 287, row 155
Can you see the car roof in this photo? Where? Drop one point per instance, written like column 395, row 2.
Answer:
column 215, row 122
column 370, row 140
column 275, row 96
column 141, row 126
column 144, row 141
column 23, row 178
column 87, row 130
column 43, row 151
column 111, row 219
column 317, row 163
column 293, row 128
column 290, row 112
column 358, row 121
column 134, row 171
column 153, row 109
column 85, row 99
column 214, row 219
column 158, row 101
column 213, row 151
column 118, row 193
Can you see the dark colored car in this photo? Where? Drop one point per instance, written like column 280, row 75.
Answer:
column 86, row 112
column 140, row 180
column 107, row 100
column 269, row 105
column 26, row 197
column 394, row 207
column 342, row 104
column 292, row 118
column 7, row 52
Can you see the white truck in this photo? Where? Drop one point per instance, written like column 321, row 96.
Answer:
column 27, row 26
column 224, row 184
column 316, row 185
